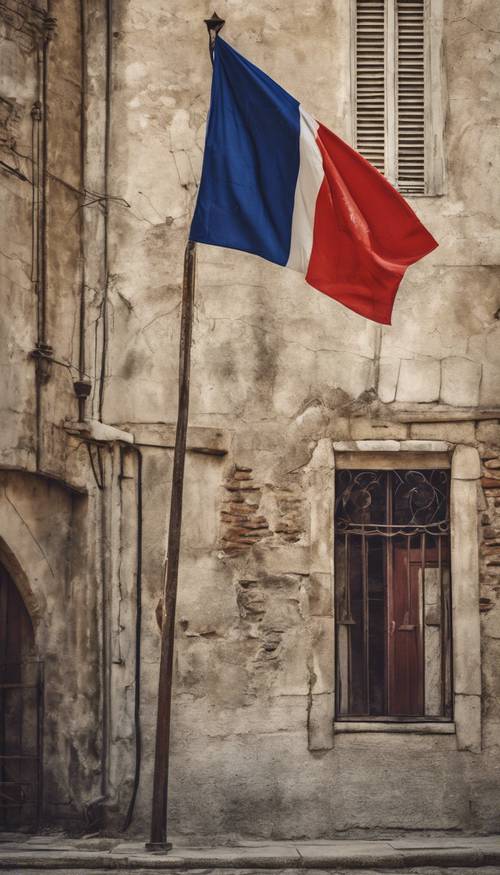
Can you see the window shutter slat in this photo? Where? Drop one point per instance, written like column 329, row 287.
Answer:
column 370, row 81
column 410, row 96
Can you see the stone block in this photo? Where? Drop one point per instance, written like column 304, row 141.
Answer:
column 320, row 487
column 320, row 595
column 460, row 381
column 468, row 722
column 429, row 446
column 465, row 582
column 454, row 432
column 366, row 429
column 339, row 428
column 488, row 432
column 288, row 559
column 323, row 656
column 344, row 446
column 320, row 722
column 369, row 446
column 388, row 379
column 322, row 456
column 419, row 380
column 465, row 464
column 490, row 482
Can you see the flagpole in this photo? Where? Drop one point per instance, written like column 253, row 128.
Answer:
column 158, row 834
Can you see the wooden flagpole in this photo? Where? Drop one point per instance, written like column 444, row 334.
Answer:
column 158, row 835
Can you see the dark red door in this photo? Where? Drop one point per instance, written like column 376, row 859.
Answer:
column 405, row 636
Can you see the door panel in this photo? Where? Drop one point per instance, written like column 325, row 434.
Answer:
column 406, row 693
column 418, row 652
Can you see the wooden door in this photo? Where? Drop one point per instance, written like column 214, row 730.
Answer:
column 20, row 686
column 16, row 630
column 418, row 680
column 405, row 639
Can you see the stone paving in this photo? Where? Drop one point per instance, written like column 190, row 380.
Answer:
column 430, row 855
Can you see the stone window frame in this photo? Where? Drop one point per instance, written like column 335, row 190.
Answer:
column 434, row 78
column 465, row 466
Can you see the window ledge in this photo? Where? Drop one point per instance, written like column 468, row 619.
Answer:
column 418, row 728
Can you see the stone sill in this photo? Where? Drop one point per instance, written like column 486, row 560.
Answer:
column 418, row 728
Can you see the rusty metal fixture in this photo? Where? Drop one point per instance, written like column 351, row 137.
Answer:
column 36, row 111
column 43, row 355
column 82, row 389
column 419, row 499
column 214, row 25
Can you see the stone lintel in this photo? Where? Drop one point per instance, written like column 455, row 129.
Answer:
column 380, row 460
column 392, row 446
column 442, row 413
column 200, row 439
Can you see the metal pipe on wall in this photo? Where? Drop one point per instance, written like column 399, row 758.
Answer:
column 107, row 143
column 83, row 385
column 42, row 353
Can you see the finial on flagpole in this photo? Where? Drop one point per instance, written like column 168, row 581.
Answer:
column 214, row 25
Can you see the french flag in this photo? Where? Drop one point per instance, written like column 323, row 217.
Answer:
column 277, row 183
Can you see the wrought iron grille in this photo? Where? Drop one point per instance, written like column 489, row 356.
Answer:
column 393, row 594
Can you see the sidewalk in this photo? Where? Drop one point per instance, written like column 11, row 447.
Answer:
column 423, row 855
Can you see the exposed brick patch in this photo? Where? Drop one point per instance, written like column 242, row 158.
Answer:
column 242, row 524
column 490, row 483
column 252, row 512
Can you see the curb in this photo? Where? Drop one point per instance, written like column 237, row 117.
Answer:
column 444, row 858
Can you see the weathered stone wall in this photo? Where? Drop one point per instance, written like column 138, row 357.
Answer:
column 45, row 531
column 279, row 373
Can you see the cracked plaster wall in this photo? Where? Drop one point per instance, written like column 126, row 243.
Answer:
column 279, row 369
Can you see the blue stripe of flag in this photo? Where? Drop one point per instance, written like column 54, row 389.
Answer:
column 251, row 161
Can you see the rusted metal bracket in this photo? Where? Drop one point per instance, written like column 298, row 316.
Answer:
column 43, row 355
column 214, row 25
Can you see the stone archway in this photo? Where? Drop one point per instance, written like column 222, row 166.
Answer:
column 13, row 569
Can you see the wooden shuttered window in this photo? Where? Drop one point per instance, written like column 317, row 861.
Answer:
column 410, row 124
column 393, row 116
column 370, row 81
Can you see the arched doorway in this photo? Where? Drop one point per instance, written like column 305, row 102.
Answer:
column 21, row 697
